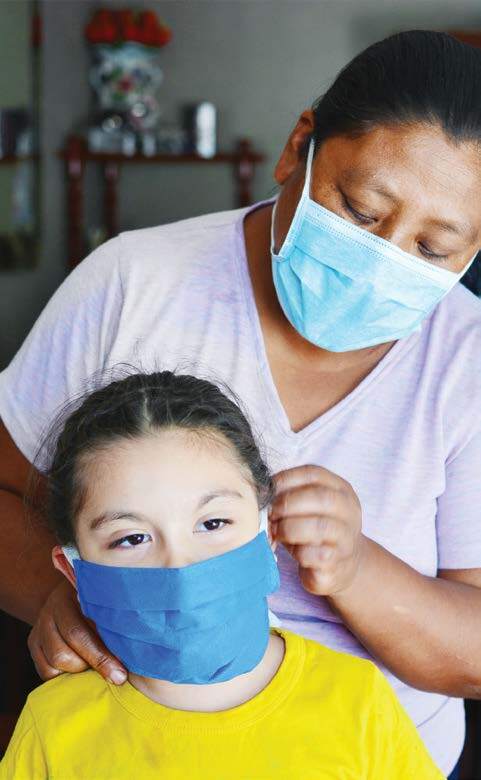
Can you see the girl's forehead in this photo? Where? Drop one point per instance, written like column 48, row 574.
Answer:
column 173, row 465
column 161, row 446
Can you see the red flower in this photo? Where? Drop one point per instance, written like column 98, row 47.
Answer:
column 116, row 26
column 102, row 28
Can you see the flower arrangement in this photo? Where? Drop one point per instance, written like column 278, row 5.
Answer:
column 119, row 27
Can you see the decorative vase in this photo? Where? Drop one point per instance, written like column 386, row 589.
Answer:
column 125, row 78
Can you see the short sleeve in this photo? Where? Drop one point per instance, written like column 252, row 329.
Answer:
column 458, row 521
column 24, row 757
column 396, row 750
column 67, row 345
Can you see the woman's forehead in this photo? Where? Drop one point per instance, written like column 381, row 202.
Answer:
column 406, row 146
column 416, row 163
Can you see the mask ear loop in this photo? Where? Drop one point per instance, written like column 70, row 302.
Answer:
column 466, row 269
column 71, row 553
column 264, row 526
column 306, row 190
column 305, row 195
column 274, row 621
column 273, row 216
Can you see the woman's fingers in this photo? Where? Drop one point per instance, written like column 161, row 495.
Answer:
column 44, row 670
column 63, row 641
column 311, row 499
column 304, row 529
column 317, row 516
column 50, row 654
column 306, row 475
column 89, row 648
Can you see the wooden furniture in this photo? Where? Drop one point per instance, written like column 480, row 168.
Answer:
column 10, row 159
column 76, row 155
column 473, row 37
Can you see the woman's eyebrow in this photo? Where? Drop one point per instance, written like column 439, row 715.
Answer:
column 459, row 228
column 370, row 179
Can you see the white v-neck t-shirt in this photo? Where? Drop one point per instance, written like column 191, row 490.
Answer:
column 407, row 438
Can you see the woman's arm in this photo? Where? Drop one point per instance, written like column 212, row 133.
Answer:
column 426, row 630
column 27, row 574
column 30, row 587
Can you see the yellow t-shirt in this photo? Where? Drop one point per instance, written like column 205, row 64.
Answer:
column 324, row 716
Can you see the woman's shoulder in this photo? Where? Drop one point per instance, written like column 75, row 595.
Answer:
column 450, row 354
column 457, row 318
column 168, row 256
column 189, row 232
column 447, row 356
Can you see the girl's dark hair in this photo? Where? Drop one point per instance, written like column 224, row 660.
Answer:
column 414, row 76
column 138, row 405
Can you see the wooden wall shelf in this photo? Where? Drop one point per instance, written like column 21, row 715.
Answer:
column 11, row 159
column 76, row 156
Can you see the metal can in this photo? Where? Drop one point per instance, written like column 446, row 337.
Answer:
column 200, row 122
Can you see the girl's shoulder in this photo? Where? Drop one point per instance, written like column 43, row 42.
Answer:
column 323, row 660
column 340, row 674
column 59, row 698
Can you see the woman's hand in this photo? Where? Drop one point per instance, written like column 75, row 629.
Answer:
column 316, row 515
column 63, row 640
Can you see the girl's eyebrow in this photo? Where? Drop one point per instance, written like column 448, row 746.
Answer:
column 109, row 517
column 220, row 493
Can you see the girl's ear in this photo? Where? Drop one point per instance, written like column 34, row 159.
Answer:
column 62, row 564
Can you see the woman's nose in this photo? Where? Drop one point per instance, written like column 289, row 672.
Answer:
column 395, row 234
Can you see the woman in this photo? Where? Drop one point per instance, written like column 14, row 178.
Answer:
column 353, row 350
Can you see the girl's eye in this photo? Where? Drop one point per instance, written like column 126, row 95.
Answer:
column 362, row 218
column 212, row 525
column 430, row 255
column 132, row 540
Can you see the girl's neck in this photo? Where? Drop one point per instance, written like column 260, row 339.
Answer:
column 217, row 696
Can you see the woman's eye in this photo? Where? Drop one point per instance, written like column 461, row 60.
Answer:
column 362, row 218
column 212, row 525
column 132, row 540
column 431, row 255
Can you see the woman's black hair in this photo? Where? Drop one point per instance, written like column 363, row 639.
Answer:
column 414, row 76
column 137, row 405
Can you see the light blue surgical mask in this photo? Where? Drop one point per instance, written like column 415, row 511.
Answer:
column 203, row 623
column 343, row 288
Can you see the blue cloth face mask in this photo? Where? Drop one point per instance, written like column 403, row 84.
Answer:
column 203, row 623
column 343, row 288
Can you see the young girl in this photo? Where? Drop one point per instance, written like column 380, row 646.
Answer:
column 157, row 492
